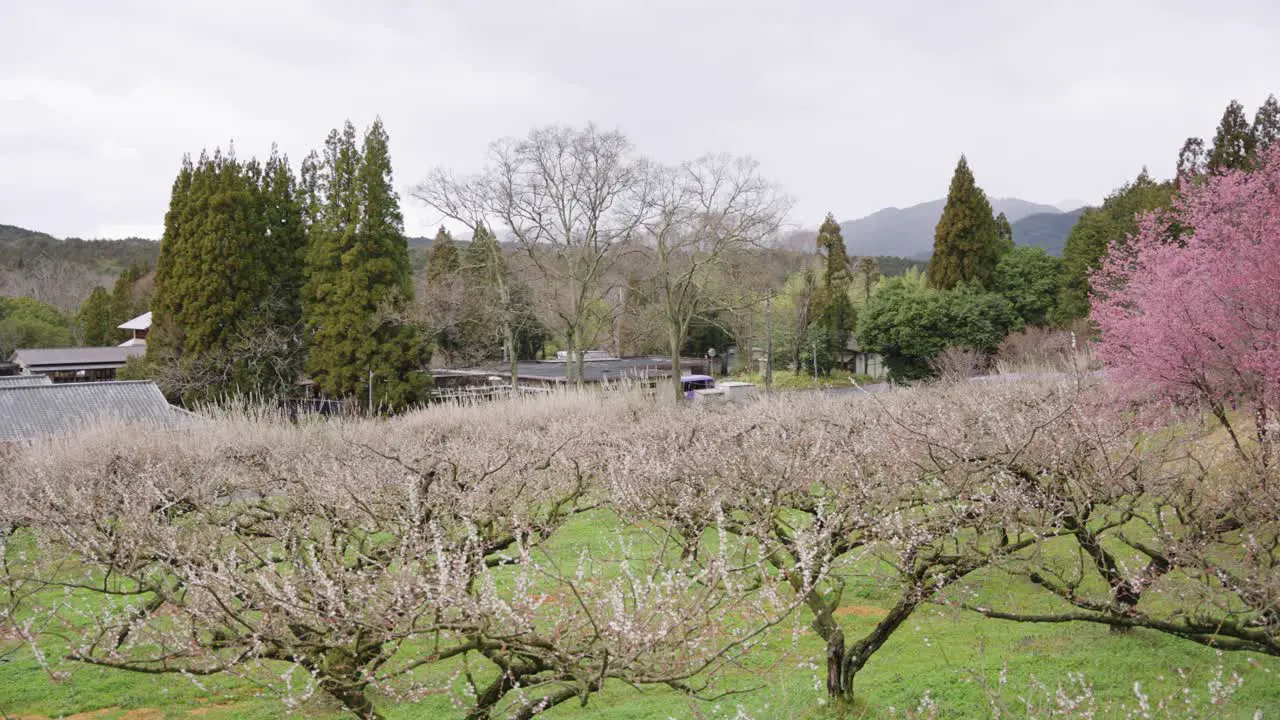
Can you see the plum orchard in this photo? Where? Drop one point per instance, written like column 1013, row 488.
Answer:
column 391, row 559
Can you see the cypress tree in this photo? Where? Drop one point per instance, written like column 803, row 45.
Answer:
column 443, row 259
column 1233, row 142
column 966, row 244
column 284, row 243
column 1266, row 125
column 1004, row 233
column 97, row 321
column 165, row 336
column 359, row 277
column 228, row 276
column 836, row 313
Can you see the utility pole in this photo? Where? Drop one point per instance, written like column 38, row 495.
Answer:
column 768, row 349
column 371, row 388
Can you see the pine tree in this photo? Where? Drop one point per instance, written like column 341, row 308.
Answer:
column 97, row 321
column 359, row 278
column 1233, row 142
column 443, row 258
column 1266, row 125
column 966, row 245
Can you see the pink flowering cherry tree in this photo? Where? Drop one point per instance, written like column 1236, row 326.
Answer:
column 1189, row 308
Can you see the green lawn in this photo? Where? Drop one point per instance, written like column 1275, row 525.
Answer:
column 945, row 653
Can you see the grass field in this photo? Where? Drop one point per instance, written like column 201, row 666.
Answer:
column 942, row 652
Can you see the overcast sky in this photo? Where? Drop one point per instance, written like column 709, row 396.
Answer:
column 851, row 106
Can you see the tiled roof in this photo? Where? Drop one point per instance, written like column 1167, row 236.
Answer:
column 74, row 357
column 142, row 322
column 34, row 411
column 12, row 381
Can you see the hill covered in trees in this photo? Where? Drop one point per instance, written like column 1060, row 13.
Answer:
column 1047, row 231
column 908, row 232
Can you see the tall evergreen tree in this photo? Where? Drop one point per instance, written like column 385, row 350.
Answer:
column 836, row 312
column 165, row 336
column 227, row 279
column 284, row 245
column 1004, row 233
column 1266, row 125
column 97, row 321
column 1233, row 142
column 359, row 279
column 966, row 244
column 442, row 261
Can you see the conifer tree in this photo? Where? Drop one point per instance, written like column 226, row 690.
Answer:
column 966, row 245
column 443, row 258
column 125, row 302
column 227, row 279
column 165, row 336
column 1266, row 125
column 359, row 279
column 284, row 243
column 97, row 322
column 1233, row 142
column 836, row 313
column 1004, row 231
column 1095, row 233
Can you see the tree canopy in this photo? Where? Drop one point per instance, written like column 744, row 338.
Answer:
column 359, row 277
column 967, row 240
column 1097, row 230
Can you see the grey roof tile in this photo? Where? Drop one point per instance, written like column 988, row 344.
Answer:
column 29, row 412
column 12, row 381
column 75, row 356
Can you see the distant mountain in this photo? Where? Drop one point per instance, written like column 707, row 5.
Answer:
column 19, row 245
column 1070, row 204
column 1046, row 230
column 908, row 232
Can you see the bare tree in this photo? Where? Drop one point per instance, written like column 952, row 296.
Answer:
column 568, row 198
column 698, row 216
column 58, row 282
column 934, row 484
column 347, row 558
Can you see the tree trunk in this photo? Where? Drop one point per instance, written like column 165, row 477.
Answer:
column 673, row 339
column 860, row 652
column 835, row 660
column 513, row 358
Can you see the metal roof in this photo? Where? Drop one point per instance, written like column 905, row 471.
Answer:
column 33, row 411
column 142, row 322
column 74, row 358
column 12, row 381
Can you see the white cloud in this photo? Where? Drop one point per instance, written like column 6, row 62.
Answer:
column 851, row 106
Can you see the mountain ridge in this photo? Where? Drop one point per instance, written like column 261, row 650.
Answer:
column 908, row 232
